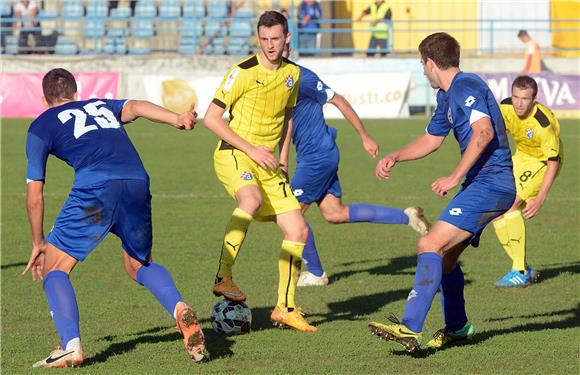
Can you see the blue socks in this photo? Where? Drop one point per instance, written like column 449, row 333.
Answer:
column 358, row 213
column 368, row 213
column 427, row 282
column 63, row 306
column 159, row 282
column 452, row 301
column 310, row 255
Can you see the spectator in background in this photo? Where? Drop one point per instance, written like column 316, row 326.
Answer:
column 26, row 11
column 309, row 13
column 285, row 13
column 380, row 13
column 6, row 13
column 532, row 57
column 112, row 4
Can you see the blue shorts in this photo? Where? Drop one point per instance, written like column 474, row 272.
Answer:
column 475, row 206
column 122, row 207
column 314, row 179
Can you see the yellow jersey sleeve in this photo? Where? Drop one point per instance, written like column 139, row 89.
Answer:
column 548, row 132
column 232, row 88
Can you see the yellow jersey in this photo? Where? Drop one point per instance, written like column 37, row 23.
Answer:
column 257, row 98
column 537, row 136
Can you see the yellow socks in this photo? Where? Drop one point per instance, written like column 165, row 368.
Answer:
column 289, row 266
column 501, row 231
column 517, row 237
column 511, row 232
column 233, row 239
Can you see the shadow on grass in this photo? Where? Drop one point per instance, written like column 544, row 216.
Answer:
column 219, row 346
column 393, row 266
column 359, row 307
column 12, row 265
column 552, row 272
column 571, row 321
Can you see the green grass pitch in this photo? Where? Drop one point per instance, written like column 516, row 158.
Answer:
column 533, row 330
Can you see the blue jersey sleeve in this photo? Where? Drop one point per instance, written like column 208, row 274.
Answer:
column 116, row 106
column 439, row 124
column 470, row 99
column 313, row 87
column 37, row 152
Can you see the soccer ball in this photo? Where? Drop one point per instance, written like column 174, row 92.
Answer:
column 231, row 318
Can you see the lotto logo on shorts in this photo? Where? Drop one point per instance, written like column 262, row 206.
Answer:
column 246, row 176
column 298, row 192
column 455, row 211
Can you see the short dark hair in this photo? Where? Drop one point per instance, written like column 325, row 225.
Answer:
column 524, row 83
column 522, row 33
column 272, row 18
column 442, row 48
column 58, row 84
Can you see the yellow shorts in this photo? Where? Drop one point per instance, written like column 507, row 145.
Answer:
column 235, row 170
column 529, row 175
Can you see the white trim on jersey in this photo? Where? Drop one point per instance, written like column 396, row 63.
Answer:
column 329, row 94
column 476, row 116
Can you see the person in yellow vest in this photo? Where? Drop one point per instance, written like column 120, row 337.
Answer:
column 532, row 57
column 537, row 161
column 380, row 13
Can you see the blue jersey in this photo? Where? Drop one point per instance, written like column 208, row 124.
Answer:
column 467, row 100
column 311, row 135
column 88, row 136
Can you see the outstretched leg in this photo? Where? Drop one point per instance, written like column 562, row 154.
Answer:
column 158, row 281
column 63, row 309
column 249, row 201
column 295, row 232
column 432, row 248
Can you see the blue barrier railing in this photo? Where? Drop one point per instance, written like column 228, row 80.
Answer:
column 215, row 35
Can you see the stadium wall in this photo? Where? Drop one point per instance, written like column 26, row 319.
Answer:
column 136, row 73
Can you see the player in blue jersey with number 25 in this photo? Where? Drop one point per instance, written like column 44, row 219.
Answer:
column 466, row 106
column 110, row 193
column 316, row 177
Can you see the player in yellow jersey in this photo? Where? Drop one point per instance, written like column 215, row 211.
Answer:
column 537, row 161
column 260, row 93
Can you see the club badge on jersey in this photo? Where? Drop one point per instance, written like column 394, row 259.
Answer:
column 530, row 133
column 289, row 81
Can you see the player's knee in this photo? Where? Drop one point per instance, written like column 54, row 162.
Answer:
column 298, row 232
column 131, row 267
column 335, row 217
column 426, row 244
column 250, row 203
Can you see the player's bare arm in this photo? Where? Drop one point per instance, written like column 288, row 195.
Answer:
column 482, row 135
column 286, row 139
column 35, row 209
column 370, row 145
column 134, row 109
column 534, row 205
column 417, row 149
column 214, row 121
